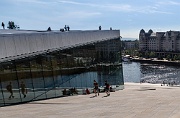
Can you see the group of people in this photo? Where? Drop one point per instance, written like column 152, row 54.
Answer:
column 164, row 82
column 70, row 91
column 23, row 89
column 96, row 88
column 11, row 25
column 66, row 28
column 100, row 28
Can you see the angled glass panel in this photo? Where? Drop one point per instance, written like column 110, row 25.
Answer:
column 37, row 78
column 48, row 76
column 56, row 69
column 65, row 73
column 1, row 88
column 25, row 79
column 9, row 84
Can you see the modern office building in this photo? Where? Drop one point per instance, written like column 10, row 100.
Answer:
column 36, row 65
column 130, row 44
column 159, row 41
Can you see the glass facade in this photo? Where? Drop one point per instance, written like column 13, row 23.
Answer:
column 61, row 72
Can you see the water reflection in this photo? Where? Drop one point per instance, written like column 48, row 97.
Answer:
column 131, row 72
column 151, row 73
column 82, row 80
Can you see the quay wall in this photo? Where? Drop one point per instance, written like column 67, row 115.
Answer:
column 15, row 42
column 171, row 63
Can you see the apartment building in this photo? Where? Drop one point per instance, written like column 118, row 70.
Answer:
column 168, row 41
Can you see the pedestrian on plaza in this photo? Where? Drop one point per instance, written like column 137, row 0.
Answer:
column 99, row 27
column 49, row 29
column 3, row 25
column 9, row 89
column 65, row 27
column 68, row 28
column 107, row 88
column 96, row 88
column 87, row 91
column 163, row 84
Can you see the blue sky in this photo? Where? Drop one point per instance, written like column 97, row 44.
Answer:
column 129, row 16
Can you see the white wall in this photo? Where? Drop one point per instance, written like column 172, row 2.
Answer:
column 21, row 43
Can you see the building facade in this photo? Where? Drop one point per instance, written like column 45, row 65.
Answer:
column 130, row 44
column 159, row 41
column 41, row 65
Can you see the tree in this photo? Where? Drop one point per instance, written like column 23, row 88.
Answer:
column 178, row 57
column 175, row 58
column 139, row 54
column 168, row 57
column 146, row 54
column 152, row 55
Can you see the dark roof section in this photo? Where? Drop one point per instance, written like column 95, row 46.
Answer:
column 150, row 31
column 142, row 31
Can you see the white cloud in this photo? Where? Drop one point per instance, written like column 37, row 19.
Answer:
column 78, row 14
column 78, row 3
column 30, row 1
column 123, row 7
column 119, row 7
column 168, row 3
column 108, row 7
column 114, row 7
column 151, row 10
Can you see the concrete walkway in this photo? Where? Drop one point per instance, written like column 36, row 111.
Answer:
column 135, row 101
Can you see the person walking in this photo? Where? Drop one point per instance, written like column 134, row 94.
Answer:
column 23, row 89
column 107, row 88
column 96, row 88
column 9, row 89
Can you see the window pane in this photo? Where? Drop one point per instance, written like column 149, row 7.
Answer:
column 48, row 76
column 10, row 84
column 25, row 80
column 38, row 78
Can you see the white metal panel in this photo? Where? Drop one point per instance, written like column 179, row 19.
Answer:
column 10, row 47
column 52, row 39
column 28, row 42
column 32, row 43
column 47, row 42
column 71, row 38
column 3, row 47
column 64, row 39
column 59, row 40
column 80, row 37
column 20, row 44
column 39, row 42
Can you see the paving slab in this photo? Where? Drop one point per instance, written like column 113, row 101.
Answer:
column 134, row 101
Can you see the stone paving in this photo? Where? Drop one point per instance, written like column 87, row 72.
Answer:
column 135, row 101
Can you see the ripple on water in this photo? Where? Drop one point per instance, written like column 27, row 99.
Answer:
column 151, row 73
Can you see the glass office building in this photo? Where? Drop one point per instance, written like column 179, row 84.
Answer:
column 60, row 72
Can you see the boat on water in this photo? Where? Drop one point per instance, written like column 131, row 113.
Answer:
column 126, row 58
